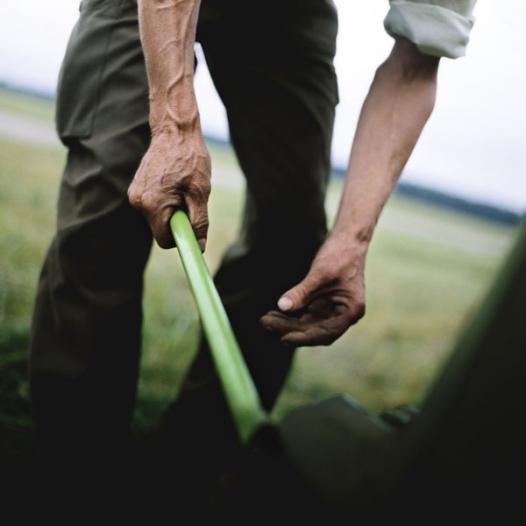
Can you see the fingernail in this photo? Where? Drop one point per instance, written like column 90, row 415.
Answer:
column 285, row 303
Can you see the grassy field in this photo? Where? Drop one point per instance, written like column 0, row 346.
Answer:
column 26, row 105
column 427, row 271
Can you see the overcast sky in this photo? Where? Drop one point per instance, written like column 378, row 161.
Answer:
column 473, row 145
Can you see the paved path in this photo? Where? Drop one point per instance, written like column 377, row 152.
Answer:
column 27, row 129
column 42, row 133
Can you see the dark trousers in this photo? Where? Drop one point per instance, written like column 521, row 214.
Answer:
column 272, row 65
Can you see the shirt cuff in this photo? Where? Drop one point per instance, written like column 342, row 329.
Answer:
column 435, row 30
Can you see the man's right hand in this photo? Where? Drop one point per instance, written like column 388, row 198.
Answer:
column 174, row 173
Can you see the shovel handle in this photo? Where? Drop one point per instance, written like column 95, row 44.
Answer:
column 241, row 394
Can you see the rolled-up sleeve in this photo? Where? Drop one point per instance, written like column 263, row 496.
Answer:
column 437, row 27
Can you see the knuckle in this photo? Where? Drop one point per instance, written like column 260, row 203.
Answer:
column 199, row 217
column 319, row 275
column 200, row 229
column 298, row 292
column 149, row 202
column 163, row 217
column 182, row 182
column 134, row 197
column 199, row 189
column 155, row 202
column 316, row 273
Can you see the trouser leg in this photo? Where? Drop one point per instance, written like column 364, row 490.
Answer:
column 280, row 94
column 86, row 327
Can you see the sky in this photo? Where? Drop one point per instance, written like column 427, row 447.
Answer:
column 473, row 144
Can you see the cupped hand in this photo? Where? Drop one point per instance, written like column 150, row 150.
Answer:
column 330, row 299
column 174, row 173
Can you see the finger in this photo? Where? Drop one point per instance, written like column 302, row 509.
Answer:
column 198, row 216
column 160, row 223
column 299, row 296
column 278, row 322
column 312, row 337
column 319, row 332
column 315, row 334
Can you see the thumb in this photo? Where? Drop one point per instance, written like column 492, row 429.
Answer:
column 299, row 296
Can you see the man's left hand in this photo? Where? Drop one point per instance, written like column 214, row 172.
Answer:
column 330, row 299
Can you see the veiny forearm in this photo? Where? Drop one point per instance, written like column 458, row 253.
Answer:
column 398, row 105
column 167, row 31
column 175, row 171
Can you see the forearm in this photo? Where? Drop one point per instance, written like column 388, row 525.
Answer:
column 167, row 31
column 398, row 105
column 175, row 171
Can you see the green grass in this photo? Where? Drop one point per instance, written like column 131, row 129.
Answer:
column 427, row 271
column 26, row 105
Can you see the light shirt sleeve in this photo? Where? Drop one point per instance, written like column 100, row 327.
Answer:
column 437, row 27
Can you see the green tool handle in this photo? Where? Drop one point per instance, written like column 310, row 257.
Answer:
column 241, row 394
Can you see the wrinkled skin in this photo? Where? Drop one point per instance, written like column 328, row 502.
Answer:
column 327, row 302
column 174, row 173
column 331, row 297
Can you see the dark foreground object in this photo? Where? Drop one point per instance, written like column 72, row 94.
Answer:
column 464, row 451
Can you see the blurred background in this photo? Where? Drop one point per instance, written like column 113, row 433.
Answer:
column 438, row 244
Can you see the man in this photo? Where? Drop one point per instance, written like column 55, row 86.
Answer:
column 127, row 112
